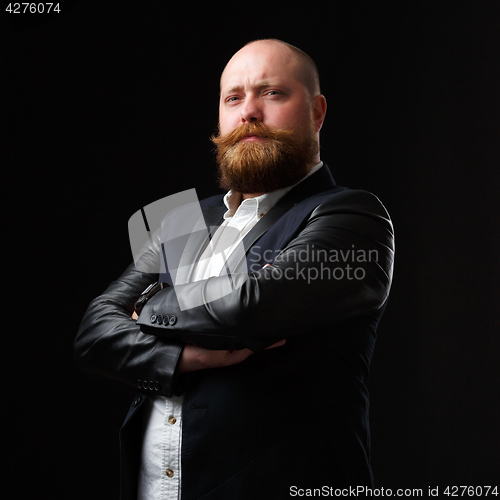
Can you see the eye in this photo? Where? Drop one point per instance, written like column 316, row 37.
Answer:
column 273, row 93
column 231, row 99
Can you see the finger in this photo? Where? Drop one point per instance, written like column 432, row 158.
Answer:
column 134, row 315
column 235, row 357
column 277, row 344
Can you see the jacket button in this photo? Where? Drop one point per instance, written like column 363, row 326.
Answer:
column 159, row 319
column 157, row 386
column 166, row 320
column 153, row 318
column 172, row 320
column 169, row 473
column 135, row 404
column 172, row 420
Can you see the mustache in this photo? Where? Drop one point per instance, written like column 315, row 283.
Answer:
column 251, row 128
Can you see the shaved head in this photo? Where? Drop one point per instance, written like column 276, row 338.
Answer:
column 306, row 69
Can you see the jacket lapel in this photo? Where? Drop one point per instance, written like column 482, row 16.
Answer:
column 214, row 217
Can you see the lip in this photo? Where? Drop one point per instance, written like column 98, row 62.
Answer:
column 252, row 138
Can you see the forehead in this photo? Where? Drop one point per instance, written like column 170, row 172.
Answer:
column 260, row 62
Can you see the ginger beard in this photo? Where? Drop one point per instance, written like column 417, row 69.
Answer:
column 282, row 160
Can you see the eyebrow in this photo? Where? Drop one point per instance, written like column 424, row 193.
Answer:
column 261, row 85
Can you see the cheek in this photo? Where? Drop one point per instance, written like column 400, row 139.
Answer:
column 296, row 114
column 227, row 123
column 289, row 119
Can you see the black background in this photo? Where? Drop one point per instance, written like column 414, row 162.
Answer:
column 109, row 106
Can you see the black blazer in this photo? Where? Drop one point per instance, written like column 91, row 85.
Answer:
column 290, row 417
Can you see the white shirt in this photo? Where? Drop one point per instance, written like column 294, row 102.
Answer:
column 160, row 470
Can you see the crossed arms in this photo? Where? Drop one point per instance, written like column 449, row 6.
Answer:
column 274, row 303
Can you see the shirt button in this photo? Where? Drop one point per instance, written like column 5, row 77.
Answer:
column 172, row 420
column 169, row 473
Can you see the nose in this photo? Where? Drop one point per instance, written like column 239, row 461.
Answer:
column 251, row 110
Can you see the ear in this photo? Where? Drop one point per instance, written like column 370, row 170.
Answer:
column 319, row 111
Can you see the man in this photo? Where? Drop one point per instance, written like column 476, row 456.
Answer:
column 256, row 392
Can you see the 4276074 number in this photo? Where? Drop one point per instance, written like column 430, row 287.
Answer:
column 33, row 8
column 471, row 491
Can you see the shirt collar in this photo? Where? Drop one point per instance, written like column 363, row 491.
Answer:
column 260, row 205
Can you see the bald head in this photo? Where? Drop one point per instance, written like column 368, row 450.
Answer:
column 304, row 68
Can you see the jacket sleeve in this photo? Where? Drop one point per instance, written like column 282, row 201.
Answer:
column 110, row 344
column 337, row 267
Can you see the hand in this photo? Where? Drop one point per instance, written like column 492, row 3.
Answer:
column 194, row 358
